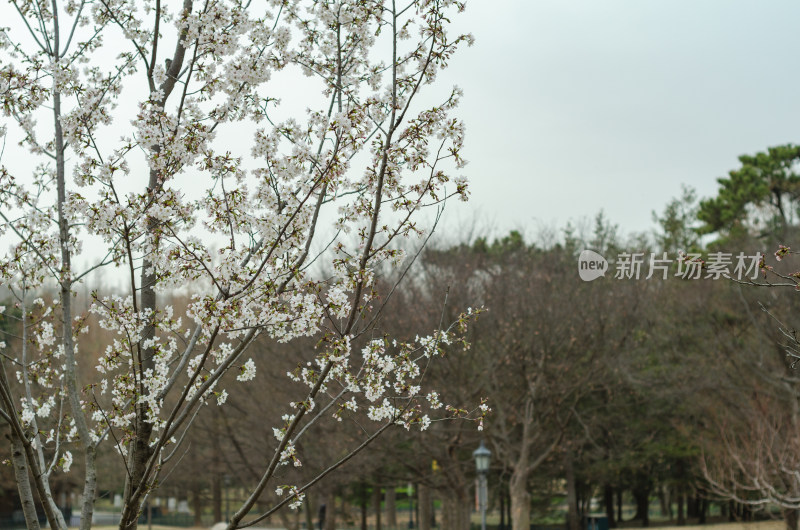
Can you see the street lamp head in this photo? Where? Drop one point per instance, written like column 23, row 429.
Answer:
column 482, row 456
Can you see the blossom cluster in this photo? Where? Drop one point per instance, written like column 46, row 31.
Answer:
column 164, row 197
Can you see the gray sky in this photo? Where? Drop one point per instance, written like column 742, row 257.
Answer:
column 573, row 106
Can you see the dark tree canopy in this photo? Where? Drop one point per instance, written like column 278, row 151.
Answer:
column 765, row 191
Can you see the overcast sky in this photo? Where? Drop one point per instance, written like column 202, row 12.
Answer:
column 573, row 106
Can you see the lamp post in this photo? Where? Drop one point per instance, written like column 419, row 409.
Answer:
column 482, row 456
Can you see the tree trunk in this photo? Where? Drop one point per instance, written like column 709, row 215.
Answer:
column 309, row 511
column 363, row 503
column 702, row 510
column 89, row 486
column 692, row 505
column 642, row 507
column 572, row 494
column 455, row 511
column 502, row 495
column 662, row 502
column 65, row 297
column 33, row 460
column 197, row 504
column 620, row 492
column 391, row 507
column 520, row 501
column 216, row 496
column 416, row 503
column 344, row 511
column 642, row 497
column 141, row 451
column 585, row 505
column 330, row 511
column 137, row 480
column 608, row 501
column 668, row 493
column 508, row 510
column 681, row 516
column 424, row 503
column 790, row 518
column 376, row 504
column 23, row 483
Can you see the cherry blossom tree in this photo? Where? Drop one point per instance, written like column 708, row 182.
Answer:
column 149, row 139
